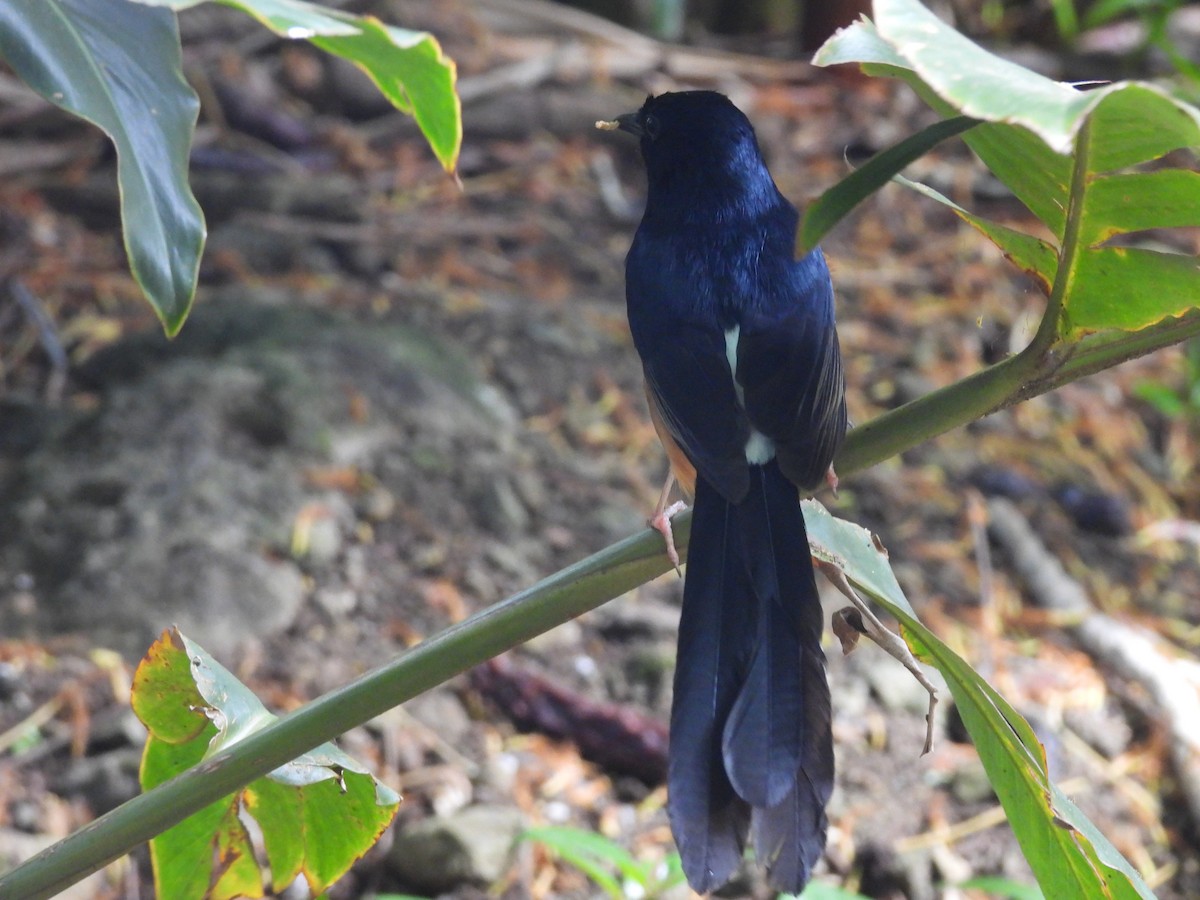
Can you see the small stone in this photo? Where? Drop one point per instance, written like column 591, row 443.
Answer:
column 969, row 783
column 324, row 541
column 441, row 711
column 474, row 846
column 554, row 644
column 893, row 685
column 378, row 505
column 500, row 772
column 500, row 507
column 635, row 616
column 337, row 602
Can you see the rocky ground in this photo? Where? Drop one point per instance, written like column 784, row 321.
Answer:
column 399, row 401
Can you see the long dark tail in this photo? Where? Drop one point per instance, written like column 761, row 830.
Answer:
column 750, row 725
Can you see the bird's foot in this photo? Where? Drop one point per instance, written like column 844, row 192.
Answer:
column 831, row 479
column 661, row 522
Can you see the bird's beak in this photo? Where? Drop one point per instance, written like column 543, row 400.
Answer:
column 628, row 122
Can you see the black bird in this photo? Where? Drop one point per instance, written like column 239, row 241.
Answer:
column 744, row 381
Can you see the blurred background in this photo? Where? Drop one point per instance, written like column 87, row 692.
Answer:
column 402, row 397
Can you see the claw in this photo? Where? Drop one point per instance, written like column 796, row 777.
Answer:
column 661, row 520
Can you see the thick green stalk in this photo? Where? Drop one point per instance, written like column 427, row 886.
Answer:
column 568, row 593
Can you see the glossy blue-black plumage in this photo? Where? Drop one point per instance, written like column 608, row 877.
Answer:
column 737, row 338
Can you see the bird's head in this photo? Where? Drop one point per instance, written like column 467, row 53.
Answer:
column 696, row 141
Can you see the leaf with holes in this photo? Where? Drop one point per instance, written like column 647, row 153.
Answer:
column 317, row 815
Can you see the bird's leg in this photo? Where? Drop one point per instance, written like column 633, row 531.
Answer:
column 661, row 520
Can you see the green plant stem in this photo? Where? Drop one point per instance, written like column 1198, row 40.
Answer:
column 934, row 414
column 561, row 597
column 1103, row 350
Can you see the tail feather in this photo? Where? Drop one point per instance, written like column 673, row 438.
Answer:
column 789, row 837
column 765, row 730
column 710, row 822
column 750, row 724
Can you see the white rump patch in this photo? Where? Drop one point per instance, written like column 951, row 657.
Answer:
column 760, row 449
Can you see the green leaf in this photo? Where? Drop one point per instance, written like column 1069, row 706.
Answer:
column 165, row 694
column 978, row 83
column 1066, row 154
column 586, row 851
column 209, row 854
column 419, row 80
column 117, row 65
column 577, row 842
column 1070, row 858
column 1163, row 398
column 985, row 86
column 1116, row 287
column 317, row 814
column 320, row 829
column 1037, row 176
column 408, row 67
column 833, row 205
column 1107, row 10
column 1139, row 201
column 1034, row 121
column 1135, row 122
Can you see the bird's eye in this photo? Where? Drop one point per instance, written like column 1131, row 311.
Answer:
column 650, row 125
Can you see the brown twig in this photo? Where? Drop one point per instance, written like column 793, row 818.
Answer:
column 863, row 620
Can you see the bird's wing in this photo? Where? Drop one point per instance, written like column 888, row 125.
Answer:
column 689, row 379
column 789, row 366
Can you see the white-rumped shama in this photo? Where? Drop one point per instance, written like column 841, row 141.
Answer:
column 744, row 379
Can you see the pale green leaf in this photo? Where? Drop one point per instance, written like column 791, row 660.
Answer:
column 317, row 814
column 833, row 205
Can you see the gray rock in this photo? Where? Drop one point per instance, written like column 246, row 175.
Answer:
column 474, row 846
column 635, row 615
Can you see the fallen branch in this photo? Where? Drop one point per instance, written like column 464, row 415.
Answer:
column 617, row 738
